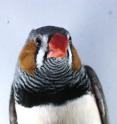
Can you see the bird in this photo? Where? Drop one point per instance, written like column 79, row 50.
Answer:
column 52, row 86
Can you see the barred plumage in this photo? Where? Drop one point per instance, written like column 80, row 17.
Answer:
column 54, row 76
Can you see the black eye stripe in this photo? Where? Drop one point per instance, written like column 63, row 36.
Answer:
column 70, row 38
column 38, row 40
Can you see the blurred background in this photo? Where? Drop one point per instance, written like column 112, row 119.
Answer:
column 91, row 23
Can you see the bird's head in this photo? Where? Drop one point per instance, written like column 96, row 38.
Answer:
column 46, row 43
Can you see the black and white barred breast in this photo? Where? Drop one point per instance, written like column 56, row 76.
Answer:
column 54, row 82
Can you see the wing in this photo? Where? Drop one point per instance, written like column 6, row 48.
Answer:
column 12, row 111
column 99, row 95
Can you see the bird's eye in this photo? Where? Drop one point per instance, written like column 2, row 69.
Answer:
column 38, row 41
column 70, row 38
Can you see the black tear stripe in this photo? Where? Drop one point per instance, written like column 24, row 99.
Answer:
column 53, row 83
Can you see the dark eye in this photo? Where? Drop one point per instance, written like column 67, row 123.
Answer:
column 38, row 41
column 70, row 38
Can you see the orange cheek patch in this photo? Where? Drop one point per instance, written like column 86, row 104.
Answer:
column 27, row 57
column 76, row 63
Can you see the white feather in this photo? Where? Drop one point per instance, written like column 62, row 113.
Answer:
column 70, row 56
column 82, row 110
column 42, row 50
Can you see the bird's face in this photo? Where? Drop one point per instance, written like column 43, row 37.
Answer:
column 56, row 46
column 46, row 43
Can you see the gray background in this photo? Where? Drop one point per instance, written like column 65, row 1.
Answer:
column 93, row 27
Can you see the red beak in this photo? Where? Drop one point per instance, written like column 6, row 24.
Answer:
column 58, row 46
